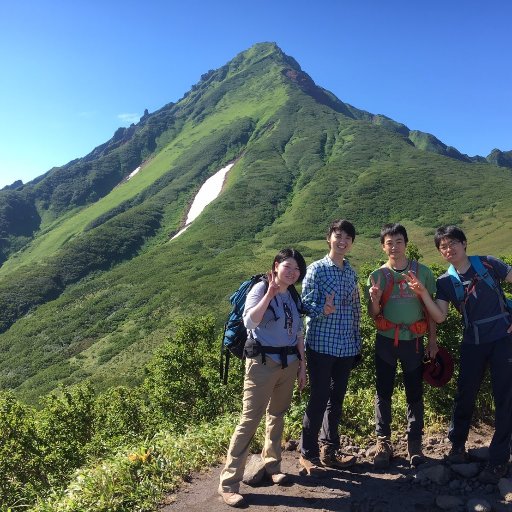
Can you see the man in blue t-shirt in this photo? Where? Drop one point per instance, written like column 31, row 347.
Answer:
column 487, row 340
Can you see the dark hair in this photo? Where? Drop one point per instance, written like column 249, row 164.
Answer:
column 393, row 229
column 452, row 232
column 342, row 225
column 287, row 253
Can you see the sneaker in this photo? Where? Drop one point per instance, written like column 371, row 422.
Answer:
column 279, row 478
column 312, row 467
column 233, row 499
column 383, row 453
column 415, row 453
column 492, row 474
column 457, row 454
column 330, row 459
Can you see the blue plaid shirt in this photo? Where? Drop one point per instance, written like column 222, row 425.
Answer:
column 336, row 334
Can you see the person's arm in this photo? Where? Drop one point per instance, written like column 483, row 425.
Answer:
column 508, row 279
column 253, row 313
column 315, row 301
column 357, row 312
column 432, row 347
column 438, row 310
column 374, row 295
column 301, row 372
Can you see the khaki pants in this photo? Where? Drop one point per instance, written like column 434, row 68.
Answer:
column 267, row 387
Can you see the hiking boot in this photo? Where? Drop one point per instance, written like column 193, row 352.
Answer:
column 312, row 467
column 233, row 499
column 457, row 455
column 383, row 453
column 492, row 473
column 330, row 459
column 416, row 456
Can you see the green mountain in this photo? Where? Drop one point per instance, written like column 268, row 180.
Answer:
column 91, row 279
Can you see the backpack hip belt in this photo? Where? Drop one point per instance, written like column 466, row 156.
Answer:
column 419, row 328
column 477, row 323
column 254, row 348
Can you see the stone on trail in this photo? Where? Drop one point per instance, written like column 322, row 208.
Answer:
column 478, row 505
column 254, row 470
column 447, row 502
column 505, row 487
column 438, row 474
column 466, row 470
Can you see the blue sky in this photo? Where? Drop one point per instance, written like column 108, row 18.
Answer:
column 75, row 71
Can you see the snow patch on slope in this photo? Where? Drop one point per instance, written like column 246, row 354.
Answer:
column 209, row 191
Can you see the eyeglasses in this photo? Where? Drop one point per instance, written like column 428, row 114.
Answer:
column 449, row 245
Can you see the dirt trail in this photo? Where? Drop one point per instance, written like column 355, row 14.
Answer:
column 358, row 489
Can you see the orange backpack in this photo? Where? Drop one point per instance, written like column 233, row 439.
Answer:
column 419, row 328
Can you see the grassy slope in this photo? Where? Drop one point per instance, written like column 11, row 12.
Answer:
column 304, row 165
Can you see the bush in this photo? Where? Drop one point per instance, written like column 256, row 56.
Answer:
column 64, row 429
column 21, row 475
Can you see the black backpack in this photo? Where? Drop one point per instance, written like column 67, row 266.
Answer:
column 235, row 332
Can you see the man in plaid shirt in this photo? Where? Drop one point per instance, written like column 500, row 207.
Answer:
column 330, row 296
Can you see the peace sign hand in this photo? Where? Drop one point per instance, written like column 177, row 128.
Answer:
column 329, row 306
column 273, row 287
column 375, row 290
column 415, row 284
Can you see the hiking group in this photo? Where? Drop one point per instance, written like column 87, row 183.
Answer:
column 406, row 303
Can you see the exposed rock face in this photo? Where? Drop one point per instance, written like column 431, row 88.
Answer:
column 500, row 158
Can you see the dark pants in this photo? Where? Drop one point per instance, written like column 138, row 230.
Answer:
column 328, row 380
column 410, row 355
column 473, row 362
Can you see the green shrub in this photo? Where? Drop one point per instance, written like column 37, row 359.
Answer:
column 21, row 467
column 64, row 429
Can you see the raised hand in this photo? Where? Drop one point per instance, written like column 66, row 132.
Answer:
column 329, row 306
column 414, row 283
column 273, row 287
column 375, row 290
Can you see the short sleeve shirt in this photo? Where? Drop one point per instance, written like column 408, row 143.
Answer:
column 275, row 328
column 481, row 301
column 403, row 306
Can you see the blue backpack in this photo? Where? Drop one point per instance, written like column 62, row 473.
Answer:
column 482, row 271
column 235, row 332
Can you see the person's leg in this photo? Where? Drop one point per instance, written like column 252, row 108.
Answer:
column 412, row 366
column 329, row 434
column 385, row 373
column 319, row 370
column 501, row 379
column 258, row 386
column 279, row 403
column 411, row 359
column 473, row 360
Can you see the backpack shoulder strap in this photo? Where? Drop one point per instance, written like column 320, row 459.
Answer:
column 415, row 267
column 457, row 283
column 296, row 298
column 482, row 271
column 388, row 289
column 486, row 271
